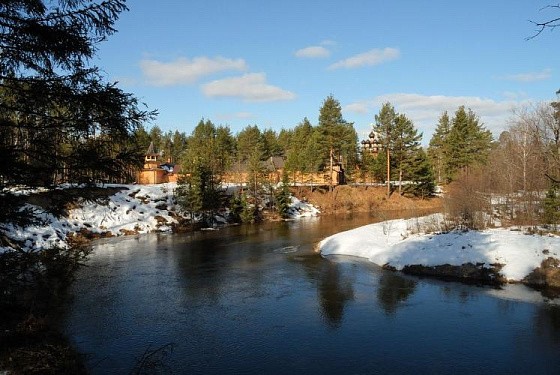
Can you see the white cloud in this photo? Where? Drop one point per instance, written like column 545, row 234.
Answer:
column 249, row 87
column 358, row 107
column 425, row 110
column 515, row 95
column 187, row 71
column 529, row 77
column 373, row 57
column 313, row 52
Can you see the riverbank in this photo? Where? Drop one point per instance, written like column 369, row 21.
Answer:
column 425, row 246
column 57, row 218
column 108, row 211
column 346, row 198
column 48, row 238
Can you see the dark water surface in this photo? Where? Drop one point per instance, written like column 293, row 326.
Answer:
column 258, row 300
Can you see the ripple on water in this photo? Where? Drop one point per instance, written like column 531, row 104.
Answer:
column 286, row 250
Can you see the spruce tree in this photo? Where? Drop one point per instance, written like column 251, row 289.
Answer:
column 283, row 197
column 142, row 138
column 256, row 172
column 551, row 206
column 56, row 109
column 468, row 141
column 419, row 172
column 199, row 189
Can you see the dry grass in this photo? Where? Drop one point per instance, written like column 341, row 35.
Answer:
column 346, row 198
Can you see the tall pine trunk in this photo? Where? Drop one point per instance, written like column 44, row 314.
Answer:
column 388, row 173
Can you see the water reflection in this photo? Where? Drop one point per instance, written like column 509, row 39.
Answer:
column 258, row 300
column 547, row 323
column 393, row 290
column 335, row 290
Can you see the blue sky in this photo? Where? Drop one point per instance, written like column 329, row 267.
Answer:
column 268, row 63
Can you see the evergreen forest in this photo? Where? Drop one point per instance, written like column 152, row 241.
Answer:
column 62, row 120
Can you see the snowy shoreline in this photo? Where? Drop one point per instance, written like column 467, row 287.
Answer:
column 134, row 209
column 398, row 244
column 395, row 244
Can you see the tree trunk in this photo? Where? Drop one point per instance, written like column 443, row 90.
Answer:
column 331, row 171
column 388, row 173
column 400, row 180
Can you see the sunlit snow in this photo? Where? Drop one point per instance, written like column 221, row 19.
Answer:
column 399, row 243
column 135, row 209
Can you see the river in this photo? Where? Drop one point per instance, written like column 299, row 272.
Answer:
column 258, row 300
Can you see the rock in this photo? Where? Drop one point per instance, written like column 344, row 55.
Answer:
column 128, row 232
column 547, row 275
column 467, row 272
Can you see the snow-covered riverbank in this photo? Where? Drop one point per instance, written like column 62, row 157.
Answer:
column 402, row 243
column 131, row 209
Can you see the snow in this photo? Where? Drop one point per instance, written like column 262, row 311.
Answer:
column 134, row 209
column 399, row 243
column 301, row 209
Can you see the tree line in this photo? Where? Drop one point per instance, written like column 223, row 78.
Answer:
column 60, row 120
column 211, row 151
column 515, row 180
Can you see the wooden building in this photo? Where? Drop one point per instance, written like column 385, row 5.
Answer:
column 371, row 145
column 155, row 171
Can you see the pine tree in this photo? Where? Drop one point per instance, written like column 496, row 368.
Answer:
column 406, row 143
column 178, row 144
column 284, row 140
column 337, row 137
column 367, row 164
column 189, row 191
column 142, row 137
column 247, row 140
column 384, row 126
column 438, row 150
column 299, row 155
column 225, row 148
column 270, row 143
column 249, row 211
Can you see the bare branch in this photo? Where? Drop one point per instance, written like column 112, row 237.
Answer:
column 550, row 24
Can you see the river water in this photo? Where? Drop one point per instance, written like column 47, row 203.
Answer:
column 259, row 300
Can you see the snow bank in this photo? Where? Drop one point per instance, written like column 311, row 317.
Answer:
column 137, row 208
column 398, row 243
column 134, row 209
column 301, row 209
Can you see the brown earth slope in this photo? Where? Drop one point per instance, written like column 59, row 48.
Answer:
column 346, row 198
